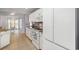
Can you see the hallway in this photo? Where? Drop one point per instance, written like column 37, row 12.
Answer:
column 19, row 41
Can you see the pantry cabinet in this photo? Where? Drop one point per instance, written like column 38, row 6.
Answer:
column 64, row 27
column 59, row 28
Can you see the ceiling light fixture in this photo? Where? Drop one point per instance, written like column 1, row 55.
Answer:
column 12, row 13
column 26, row 8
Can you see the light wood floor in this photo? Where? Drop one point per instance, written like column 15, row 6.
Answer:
column 19, row 41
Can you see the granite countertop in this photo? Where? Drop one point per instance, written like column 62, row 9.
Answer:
column 1, row 30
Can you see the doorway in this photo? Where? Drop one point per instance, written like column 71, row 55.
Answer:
column 14, row 25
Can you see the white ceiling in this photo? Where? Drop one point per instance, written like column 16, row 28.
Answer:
column 17, row 11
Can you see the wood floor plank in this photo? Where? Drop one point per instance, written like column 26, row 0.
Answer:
column 19, row 41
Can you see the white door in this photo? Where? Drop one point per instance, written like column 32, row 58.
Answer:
column 64, row 27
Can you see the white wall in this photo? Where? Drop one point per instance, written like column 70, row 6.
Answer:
column 0, row 22
column 3, row 21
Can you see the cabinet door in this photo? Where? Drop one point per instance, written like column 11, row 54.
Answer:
column 48, row 23
column 64, row 27
column 39, row 15
column 36, row 16
column 31, row 17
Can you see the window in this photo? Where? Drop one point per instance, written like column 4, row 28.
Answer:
column 14, row 23
column 8, row 23
column 20, row 23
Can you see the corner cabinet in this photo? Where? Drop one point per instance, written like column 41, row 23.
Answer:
column 59, row 28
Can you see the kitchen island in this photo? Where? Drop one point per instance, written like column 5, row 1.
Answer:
column 4, row 38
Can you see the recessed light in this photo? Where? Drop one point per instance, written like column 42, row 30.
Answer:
column 12, row 13
column 26, row 8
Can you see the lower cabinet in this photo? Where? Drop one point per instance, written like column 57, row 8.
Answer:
column 35, row 44
column 50, row 46
column 28, row 33
column 35, row 36
column 4, row 39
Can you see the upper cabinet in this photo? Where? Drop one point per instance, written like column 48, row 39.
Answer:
column 64, row 27
column 36, row 16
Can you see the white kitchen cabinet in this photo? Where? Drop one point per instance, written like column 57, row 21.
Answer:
column 36, row 16
column 48, row 23
column 59, row 27
column 47, row 45
column 4, row 38
column 64, row 27
column 36, row 36
column 28, row 33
